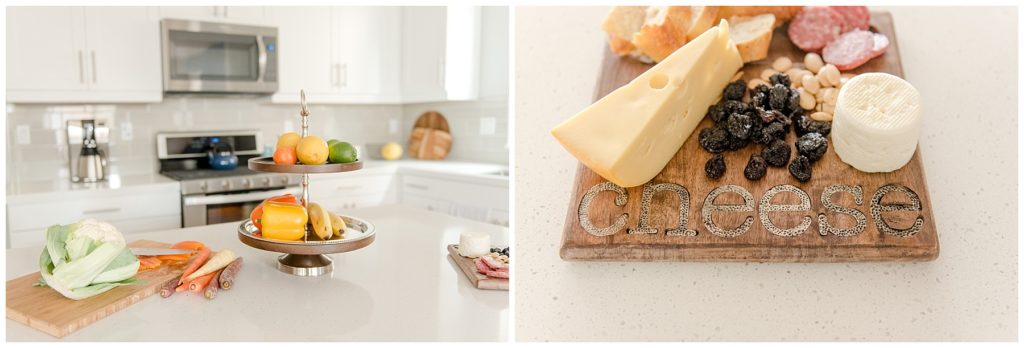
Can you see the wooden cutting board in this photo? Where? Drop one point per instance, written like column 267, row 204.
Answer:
column 468, row 267
column 662, row 239
column 48, row 311
column 431, row 139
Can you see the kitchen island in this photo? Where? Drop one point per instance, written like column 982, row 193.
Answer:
column 403, row 287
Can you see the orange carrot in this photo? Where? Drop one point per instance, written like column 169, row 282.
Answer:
column 198, row 261
column 148, row 262
column 189, row 245
column 199, row 284
column 178, row 257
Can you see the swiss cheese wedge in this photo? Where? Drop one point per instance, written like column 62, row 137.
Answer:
column 630, row 135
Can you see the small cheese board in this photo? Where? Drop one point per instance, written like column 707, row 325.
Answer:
column 469, row 268
column 841, row 214
column 48, row 311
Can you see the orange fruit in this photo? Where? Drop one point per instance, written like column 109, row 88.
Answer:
column 285, row 155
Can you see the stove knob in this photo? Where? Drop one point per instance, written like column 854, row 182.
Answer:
column 225, row 184
column 202, row 186
column 246, row 183
column 266, row 182
column 284, row 180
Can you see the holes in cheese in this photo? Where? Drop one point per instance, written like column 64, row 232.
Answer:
column 630, row 135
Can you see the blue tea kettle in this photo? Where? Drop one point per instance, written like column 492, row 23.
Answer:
column 222, row 155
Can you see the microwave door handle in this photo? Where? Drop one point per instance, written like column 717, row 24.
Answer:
column 238, row 198
column 262, row 59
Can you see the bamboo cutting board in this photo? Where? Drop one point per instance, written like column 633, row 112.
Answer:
column 679, row 195
column 468, row 267
column 48, row 311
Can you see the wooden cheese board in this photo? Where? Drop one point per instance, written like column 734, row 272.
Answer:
column 468, row 267
column 669, row 224
column 48, row 311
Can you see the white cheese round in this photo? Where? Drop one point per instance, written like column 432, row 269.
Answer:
column 474, row 244
column 877, row 122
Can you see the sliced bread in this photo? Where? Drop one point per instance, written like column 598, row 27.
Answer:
column 703, row 17
column 620, row 24
column 752, row 35
column 663, row 32
column 782, row 13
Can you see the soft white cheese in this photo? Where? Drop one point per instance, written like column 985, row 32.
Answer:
column 877, row 122
column 473, row 244
column 630, row 135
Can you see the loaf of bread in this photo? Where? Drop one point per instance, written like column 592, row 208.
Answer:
column 651, row 33
column 752, row 35
column 782, row 13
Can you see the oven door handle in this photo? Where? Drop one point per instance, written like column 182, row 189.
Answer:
column 237, row 198
column 262, row 59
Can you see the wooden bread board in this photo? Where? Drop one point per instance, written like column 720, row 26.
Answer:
column 468, row 267
column 686, row 169
column 48, row 311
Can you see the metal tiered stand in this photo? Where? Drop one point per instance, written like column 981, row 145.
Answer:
column 306, row 257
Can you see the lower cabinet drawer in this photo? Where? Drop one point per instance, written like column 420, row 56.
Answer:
column 108, row 208
column 37, row 236
column 426, row 203
column 341, row 203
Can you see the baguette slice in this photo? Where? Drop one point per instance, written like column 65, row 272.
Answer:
column 752, row 35
column 782, row 13
column 664, row 31
column 620, row 24
column 703, row 18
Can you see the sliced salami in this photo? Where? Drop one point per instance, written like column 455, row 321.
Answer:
column 854, row 17
column 854, row 48
column 815, row 27
column 481, row 267
column 494, row 264
column 498, row 274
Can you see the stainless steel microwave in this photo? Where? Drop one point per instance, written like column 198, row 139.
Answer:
column 218, row 57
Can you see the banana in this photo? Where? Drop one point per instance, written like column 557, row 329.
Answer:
column 321, row 221
column 338, row 224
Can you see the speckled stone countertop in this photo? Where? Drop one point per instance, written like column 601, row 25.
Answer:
column 963, row 61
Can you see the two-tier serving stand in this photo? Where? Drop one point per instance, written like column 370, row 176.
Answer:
column 306, row 257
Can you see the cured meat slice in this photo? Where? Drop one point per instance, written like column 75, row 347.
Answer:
column 854, row 49
column 498, row 274
column 481, row 267
column 854, row 17
column 815, row 27
column 494, row 264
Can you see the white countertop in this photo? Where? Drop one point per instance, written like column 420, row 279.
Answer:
column 403, row 287
column 963, row 61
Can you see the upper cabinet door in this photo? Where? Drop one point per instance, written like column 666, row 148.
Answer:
column 366, row 47
column 123, row 49
column 305, row 60
column 199, row 13
column 44, row 51
column 246, row 14
column 423, row 53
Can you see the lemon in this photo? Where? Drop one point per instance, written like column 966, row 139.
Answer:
column 312, row 150
column 289, row 139
column 391, row 151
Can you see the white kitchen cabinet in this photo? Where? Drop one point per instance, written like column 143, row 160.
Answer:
column 423, row 53
column 305, row 58
column 83, row 54
column 454, row 196
column 131, row 210
column 227, row 14
column 363, row 48
column 341, row 192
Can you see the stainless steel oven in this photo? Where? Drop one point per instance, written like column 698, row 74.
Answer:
column 218, row 57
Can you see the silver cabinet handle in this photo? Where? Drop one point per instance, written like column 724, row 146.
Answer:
column 93, row 66
column 334, row 75
column 343, row 76
column 81, row 68
column 418, row 187
column 346, row 188
column 225, row 11
column 216, row 11
column 100, row 211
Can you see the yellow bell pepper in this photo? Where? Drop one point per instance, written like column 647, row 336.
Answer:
column 284, row 221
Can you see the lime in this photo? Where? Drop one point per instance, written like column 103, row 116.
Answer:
column 342, row 152
column 332, row 142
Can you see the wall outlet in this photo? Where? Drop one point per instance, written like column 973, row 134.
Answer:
column 126, row 131
column 488, row 125
column 23, row 137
